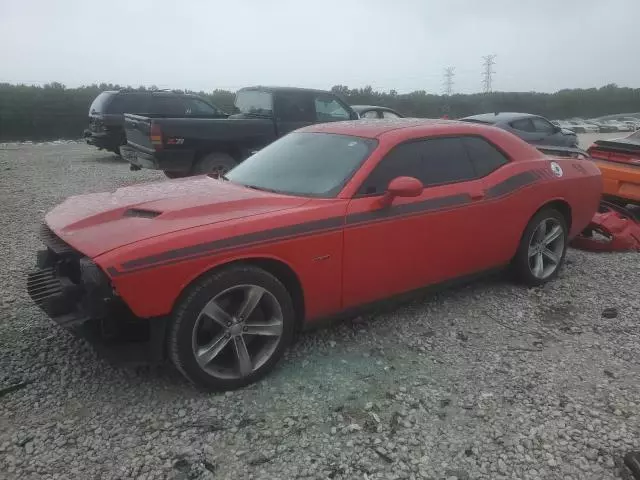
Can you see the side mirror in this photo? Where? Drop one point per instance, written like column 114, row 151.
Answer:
column 401, row 187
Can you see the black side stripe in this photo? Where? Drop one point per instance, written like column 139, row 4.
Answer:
column 511, row 184
column 241, row 240
column 433, row 204
column 429, row 205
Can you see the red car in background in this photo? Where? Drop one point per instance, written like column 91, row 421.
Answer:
column 217, row 274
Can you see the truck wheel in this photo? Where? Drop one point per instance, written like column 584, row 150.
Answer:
column 542, row 248
column 231, row 328
column 216, row 164
column 175, row 174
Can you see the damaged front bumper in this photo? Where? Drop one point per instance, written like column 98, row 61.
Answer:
column 76, row 294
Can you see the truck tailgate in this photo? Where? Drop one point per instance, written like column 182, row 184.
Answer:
column 138, row 130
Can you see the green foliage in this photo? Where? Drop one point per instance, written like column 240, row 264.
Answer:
column 54, row 111
column 584, row 103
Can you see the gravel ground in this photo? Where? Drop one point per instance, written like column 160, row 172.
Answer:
column 488, row 381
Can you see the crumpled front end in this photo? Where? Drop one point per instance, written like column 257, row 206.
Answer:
column 75, row 293
column 66, row 285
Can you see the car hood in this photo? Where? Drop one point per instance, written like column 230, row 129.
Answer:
column 99, row 222
column 566, row 131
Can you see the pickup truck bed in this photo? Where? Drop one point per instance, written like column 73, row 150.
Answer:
column 175, row 144
column 190, row 144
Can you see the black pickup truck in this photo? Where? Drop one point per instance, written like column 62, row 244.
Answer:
column 182, row 146
column 106, row 122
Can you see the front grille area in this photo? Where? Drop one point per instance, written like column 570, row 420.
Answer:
column 55, row 243
column 56, row 284
column 75, row 293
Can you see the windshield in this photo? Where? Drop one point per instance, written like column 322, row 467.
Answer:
column 99, row 104
column 254, row 102
column 309, row 164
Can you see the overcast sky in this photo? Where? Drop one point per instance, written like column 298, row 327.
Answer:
column 542, row 45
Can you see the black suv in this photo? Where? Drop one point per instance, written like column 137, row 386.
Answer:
column 106, row 121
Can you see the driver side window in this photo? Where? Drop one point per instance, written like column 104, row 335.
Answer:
column 542, row 126
column 524, row 125
column 433, row 161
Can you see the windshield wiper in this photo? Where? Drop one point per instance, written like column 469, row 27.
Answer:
column 262, row 189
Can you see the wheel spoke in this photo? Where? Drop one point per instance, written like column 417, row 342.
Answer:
column 272, row 329
column 212, row 349
column 538, row 267
column 551, row 255
column 245, row 366
column 533, row 251
column 253, row 295
column 217, row 314
column 540, row 232
column 552, row 235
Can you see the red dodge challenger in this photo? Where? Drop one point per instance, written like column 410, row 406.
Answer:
column 218, row 274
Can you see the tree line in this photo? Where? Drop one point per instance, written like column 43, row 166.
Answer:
column 53, row 111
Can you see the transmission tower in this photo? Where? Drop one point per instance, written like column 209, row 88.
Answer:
column 489, row 62
column 448, row 80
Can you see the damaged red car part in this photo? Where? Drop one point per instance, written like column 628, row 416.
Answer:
column 612, row 229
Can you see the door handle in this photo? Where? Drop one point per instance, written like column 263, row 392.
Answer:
column 477, row 195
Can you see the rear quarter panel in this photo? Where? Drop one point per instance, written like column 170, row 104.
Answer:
column 580, row 186
column 311, row 245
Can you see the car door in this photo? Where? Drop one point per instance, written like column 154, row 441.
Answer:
column 415, row 241
column 293, row 110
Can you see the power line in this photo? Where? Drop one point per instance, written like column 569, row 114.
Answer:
column 448, row 80
column 489, row 62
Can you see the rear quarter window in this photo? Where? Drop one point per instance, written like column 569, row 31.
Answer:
column 483, row 155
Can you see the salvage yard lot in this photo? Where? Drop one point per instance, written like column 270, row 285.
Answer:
column 486, row 381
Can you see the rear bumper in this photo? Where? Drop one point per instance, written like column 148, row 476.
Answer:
column 166, row 160
column 75, row 293
column 106, row 140
column 620, row 181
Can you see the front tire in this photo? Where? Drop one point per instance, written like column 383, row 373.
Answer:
column 231, row 328
column 542, row 248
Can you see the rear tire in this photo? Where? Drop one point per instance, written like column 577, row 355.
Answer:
column 542, row 248
column 231, row 328
column 215, row 164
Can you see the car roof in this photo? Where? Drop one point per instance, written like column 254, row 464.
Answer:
column 157, row 93
column 376, row 128
column 499, row 117
column 272, row 89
